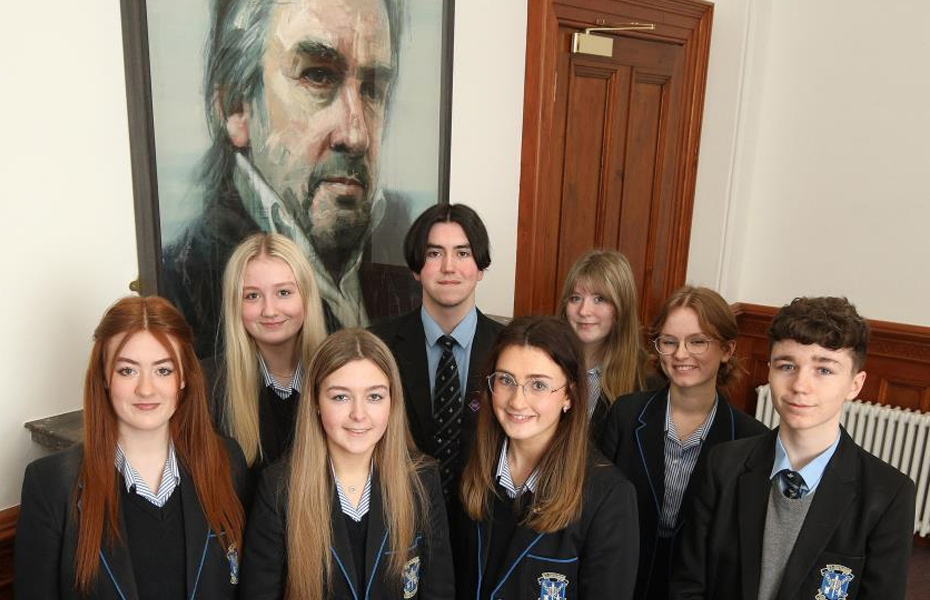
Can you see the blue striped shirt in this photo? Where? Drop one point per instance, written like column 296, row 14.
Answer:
column 680, row 458
column 506, row 481
column 283, row 391
column 353, row 512
column 594, row 389
column 170, row 477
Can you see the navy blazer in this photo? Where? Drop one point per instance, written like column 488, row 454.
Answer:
column 593, row 558
column 47, row 531
column 264, row 565
column 405, row 337
column 861, row 518
column 634, row 439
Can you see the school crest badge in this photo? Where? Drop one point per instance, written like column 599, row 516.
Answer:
column 552, row 586
column 232, row 555
column 835, row 583
column 411, row 577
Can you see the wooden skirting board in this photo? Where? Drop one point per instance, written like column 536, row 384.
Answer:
column 897, row 364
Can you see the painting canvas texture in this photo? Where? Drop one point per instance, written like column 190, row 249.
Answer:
column 317, row 119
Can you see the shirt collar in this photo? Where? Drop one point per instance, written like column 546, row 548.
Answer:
column 812, row 472
column 506, row 481
column 463, row 333
column 353, row 512
column 700, row 434
column 170, row 477
column 284, row 391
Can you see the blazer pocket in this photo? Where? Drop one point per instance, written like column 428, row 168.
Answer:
column 550, row 577
column 834, row 576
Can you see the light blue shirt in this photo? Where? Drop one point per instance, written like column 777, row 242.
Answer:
column 812, row 472
column 463, row 334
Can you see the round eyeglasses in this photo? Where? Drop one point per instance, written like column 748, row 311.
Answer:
column 502, row 384
column 667, row 345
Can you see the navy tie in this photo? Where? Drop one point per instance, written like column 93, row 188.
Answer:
column 447, row 413
column 794, row 483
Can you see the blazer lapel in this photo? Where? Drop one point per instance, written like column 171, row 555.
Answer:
column 196, row 532
column 376, row 538
column 116, row 562
column 752, row 494
column 480, row 347
column 650, row 438
column 411, row 361
column 521, row 543
column 341, row 548
column 833, row 496
column 721, row 430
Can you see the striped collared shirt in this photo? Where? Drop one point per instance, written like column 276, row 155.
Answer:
column 506, row 481
column 353, row 512
column 283, row 391
column 170, row 477
column 680, row 458
column 594, row 389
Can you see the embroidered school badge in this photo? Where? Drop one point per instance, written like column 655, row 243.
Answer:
column 232, row 555
column 411, row 577
column 835, row 583
column 552, row 586
column 474, row 405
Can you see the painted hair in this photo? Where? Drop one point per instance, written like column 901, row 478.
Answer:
column 715, row 318
column 461, row 214
column 830, row 322
column 310, row 483
column 608, row 274
column 233, row 72
column 241, row 352
column 555, row 505
column 200, row 451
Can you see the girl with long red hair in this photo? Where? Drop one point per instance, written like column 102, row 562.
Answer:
column 148, row 506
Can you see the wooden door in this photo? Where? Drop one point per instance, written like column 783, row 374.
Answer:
column 610, row 144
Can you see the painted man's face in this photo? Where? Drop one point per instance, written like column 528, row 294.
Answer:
column 316, row 135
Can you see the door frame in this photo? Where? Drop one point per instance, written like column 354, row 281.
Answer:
column 683, row 22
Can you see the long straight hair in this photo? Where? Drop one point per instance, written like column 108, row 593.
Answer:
column 241, row 354
column 199, row 449
column 557, row 501
column 310, row 483
column 608, row 274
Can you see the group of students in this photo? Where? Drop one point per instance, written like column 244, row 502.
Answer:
column 443, row 455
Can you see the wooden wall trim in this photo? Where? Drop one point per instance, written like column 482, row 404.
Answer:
column 8, row 520
column 897, row 363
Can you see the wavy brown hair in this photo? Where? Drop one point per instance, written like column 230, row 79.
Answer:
column 199, row 449
column 554, row 504
column 608, row 274
column 716, row 319
column 310, row 481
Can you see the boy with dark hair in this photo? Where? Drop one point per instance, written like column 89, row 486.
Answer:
column 442, row 346
column 802, row 512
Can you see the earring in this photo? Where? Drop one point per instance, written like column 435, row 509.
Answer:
column 565, row 408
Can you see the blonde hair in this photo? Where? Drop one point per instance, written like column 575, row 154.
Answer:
column 310, row 484
column 608, row 274
column 242, row 377
column 558, row 499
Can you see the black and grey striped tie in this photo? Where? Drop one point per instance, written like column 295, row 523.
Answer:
column 447, row 412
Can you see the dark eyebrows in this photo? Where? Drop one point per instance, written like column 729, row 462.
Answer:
column 438, row 247
column 787, row 357
column 321, row 51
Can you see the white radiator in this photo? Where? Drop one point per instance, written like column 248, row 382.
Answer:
column 900, row 437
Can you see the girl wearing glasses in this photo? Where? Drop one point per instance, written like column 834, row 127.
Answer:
column 599, row 302
column 355, row 511
column 546, row 515
column 660, row 439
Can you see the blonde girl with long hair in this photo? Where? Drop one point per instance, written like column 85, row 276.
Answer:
column 545, row 514
column 356, row 511
column 599, row 301
column 272, row 323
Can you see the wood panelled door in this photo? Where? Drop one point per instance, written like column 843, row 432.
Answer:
column 610, row 144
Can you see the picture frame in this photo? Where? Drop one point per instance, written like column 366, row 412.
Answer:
column 164, row 44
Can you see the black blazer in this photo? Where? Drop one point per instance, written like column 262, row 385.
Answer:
column 264, row 565
column 861, row 517
column 596, row 554
column 47, row 531
column 634, row 439
column 405, row 337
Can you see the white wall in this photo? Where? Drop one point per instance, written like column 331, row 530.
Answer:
column 67, row 235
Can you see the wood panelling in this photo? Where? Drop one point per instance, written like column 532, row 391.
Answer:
column 897, row 364
column 8, row 520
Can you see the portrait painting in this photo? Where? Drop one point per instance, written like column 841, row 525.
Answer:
column 323, row 120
